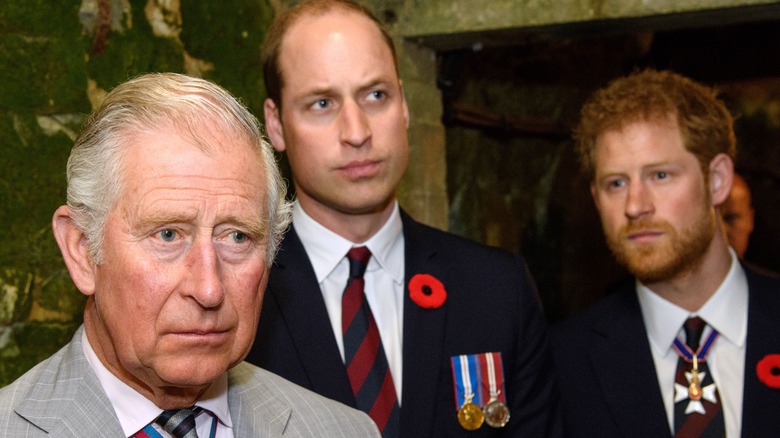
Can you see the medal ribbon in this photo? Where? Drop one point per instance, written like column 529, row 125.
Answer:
column 467, row 376
column 685, row 352
column 493, row 374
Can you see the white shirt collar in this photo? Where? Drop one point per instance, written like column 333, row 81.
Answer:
column 135, row 411
column 726, row 311
column 326, row 248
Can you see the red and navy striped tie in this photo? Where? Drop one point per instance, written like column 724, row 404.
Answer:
column 364, row 356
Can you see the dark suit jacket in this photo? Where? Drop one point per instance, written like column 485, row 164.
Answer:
column 492, row 305
column 607, row 377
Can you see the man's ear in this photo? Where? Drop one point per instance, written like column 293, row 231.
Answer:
column 405, row 106
column 74, row 249
column 273, row 125
column 721, row 178
column 594, row 195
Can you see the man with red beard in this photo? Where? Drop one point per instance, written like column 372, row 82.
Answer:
column 687, row 348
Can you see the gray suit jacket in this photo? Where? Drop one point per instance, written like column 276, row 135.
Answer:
column 62, row 397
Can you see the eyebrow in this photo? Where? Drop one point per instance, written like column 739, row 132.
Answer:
column 258, row 228
column 328, row 90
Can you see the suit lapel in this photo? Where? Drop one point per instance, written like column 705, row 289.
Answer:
column 294, row 286
column 625, row 370
column 423, row 336
column 262, row 414
column 761, row 404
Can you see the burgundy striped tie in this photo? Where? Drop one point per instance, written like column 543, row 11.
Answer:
column 364, row 356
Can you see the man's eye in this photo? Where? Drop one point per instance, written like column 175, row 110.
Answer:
column 321, row 104
column 239, row 237
column 661, row 175
column 167, row 235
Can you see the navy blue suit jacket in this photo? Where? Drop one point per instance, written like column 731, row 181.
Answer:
column 492, row 305
column 607, row 377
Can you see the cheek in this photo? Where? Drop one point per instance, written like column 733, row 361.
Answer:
column 610, row 213
column 138, row 293
column 248, row 286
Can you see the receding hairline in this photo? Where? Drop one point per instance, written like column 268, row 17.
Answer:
column 283, row 25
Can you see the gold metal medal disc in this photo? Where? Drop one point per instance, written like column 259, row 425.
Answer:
column 496, row 414
column 694, row 392
column 470, row 416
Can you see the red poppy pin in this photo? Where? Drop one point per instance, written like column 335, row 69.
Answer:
column 427, row 291
column 768, row 370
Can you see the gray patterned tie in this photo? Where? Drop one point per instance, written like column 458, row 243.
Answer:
column 180, row 423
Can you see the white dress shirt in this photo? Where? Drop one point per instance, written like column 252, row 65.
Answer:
column 135, row 411
column 384, row 279
column 726, row 311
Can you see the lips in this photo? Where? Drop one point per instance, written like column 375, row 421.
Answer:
column 199, row 332
column 645, row 232
column 361, row 169
column 643, row 236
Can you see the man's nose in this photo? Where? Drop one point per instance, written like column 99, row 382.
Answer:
column 639, row 201
column 355, row 129
column 206, row 285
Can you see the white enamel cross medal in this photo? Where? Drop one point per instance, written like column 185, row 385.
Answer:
column 695, row 393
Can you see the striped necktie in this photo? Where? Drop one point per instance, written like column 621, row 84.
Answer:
column 180, row 423
column 364, row 356
column 697, row 408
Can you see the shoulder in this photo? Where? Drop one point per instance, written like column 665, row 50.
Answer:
column 312, row 414
column 418, row 231
column 759, row 278
column 763, row 289
column 46, row 378
column 31, row 395
column 19, row 390
column 574, row 331
column 460, row 255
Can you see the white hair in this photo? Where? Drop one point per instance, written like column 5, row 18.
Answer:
column 94, row 169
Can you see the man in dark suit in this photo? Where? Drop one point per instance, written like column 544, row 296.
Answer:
column 658, row 149
column 336, row 107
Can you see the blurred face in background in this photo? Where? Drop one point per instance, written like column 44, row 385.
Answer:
column 738, row 216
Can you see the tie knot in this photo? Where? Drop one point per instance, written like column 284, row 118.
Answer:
column 693, row 329
column 180, row 423
column 358, row 261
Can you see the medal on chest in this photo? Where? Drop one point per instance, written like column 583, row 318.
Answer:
column 479, row 390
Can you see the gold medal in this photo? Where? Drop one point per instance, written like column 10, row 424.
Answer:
column 694, row 389
column 470, row 415
column 496, row 413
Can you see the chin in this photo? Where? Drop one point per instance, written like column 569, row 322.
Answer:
column 194, row 372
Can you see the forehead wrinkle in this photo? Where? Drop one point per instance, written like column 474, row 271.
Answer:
column 189, row 208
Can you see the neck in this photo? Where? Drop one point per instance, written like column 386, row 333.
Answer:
column 355, row 227
column 691, row 289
